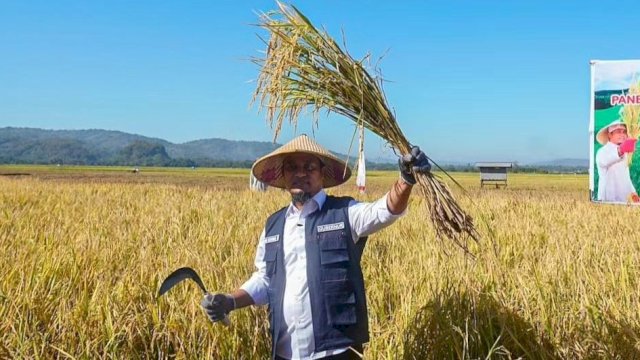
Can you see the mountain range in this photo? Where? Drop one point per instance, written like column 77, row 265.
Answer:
column 563, row 163
column 107, row 147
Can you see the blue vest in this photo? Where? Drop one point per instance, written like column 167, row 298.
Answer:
column 334, row 276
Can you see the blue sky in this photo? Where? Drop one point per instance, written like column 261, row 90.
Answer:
column 469, row 80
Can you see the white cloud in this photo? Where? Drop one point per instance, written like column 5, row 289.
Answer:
column 615, row 75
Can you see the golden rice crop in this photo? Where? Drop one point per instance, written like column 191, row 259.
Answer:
column 81, row 262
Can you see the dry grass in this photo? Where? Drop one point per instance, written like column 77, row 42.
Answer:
column 304, row 67
column 81, row 262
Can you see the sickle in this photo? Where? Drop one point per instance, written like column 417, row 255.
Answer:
column 179, row 275
column 182, row 274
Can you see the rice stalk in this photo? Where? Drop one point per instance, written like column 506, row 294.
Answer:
column 630, row 115
column 304, row 67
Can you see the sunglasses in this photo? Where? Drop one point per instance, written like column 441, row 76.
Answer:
column 306, row 167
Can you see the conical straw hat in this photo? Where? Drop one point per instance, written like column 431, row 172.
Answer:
column 603, row 135
column 268, row 168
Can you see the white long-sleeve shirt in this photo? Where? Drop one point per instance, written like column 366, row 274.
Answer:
column 296, row 340
column 614, row 184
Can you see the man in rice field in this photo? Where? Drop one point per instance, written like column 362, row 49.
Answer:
column 308, row 256
column 614, row 182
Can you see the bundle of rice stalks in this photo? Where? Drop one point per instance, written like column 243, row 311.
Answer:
column 630, row 115
column 306, row 67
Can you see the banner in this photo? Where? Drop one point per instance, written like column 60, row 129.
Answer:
column 614, row 171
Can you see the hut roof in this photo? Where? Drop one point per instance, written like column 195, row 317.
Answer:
column 494, row 164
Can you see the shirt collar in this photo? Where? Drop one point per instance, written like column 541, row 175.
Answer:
column 313, row 204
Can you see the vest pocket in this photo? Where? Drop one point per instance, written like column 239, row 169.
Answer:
column 333, row 247
column 334, row 274
column 270, row 252
column 339, row 296
column 341, row 308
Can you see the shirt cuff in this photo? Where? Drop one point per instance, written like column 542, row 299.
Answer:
column 383, row 210
column 256, row 288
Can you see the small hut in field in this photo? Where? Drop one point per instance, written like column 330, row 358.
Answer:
column 493, row 173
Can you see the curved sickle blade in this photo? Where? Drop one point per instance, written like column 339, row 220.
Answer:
column 179, row 275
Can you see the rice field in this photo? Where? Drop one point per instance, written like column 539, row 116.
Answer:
column 83, row 252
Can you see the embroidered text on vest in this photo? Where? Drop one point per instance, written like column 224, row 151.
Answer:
column 330, row 227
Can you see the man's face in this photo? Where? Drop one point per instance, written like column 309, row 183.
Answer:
column 302, row 174
column 618, row 135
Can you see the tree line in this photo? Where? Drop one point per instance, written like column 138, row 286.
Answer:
column 146, row 153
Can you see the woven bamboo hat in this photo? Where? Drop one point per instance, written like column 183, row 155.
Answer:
column 268, row 169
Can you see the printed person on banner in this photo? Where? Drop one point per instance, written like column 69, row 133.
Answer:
column 308, row 255
column 614, row 183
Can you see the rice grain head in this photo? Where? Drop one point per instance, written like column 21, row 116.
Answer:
column 631, row 117
column 304, row 67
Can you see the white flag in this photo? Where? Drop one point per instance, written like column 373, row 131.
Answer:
column 360, row 179
column 256, row 185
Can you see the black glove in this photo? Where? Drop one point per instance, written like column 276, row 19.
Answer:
column 414, row 163
column 218, row 306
